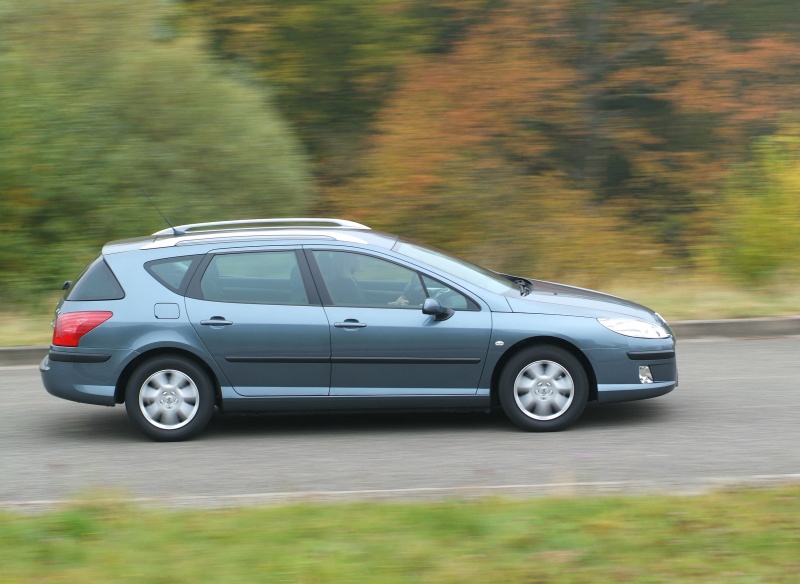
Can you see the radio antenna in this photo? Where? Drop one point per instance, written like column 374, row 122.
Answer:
column 174, row 231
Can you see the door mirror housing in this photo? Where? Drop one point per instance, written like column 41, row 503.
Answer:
column 434, row 308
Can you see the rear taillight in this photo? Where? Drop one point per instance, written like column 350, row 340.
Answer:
column 71, row 327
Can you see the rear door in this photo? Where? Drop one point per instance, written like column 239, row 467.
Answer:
column 260, row 317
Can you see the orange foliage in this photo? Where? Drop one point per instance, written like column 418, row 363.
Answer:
column 537, row 146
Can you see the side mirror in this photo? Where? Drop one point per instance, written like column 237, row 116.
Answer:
column 434, row 308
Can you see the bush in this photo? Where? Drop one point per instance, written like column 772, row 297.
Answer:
column 103, row 98
column 760, row 229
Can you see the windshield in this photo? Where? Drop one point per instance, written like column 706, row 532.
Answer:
column 457, row 267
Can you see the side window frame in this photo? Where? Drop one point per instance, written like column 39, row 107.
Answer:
column 195, row 291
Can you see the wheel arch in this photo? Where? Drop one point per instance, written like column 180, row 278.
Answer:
column 122, row 381
column 541, row 341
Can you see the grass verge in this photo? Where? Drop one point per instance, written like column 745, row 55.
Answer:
column 26, row 328
column 701, row 298
column 735, row 536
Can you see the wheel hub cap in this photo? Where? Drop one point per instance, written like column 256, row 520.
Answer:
column 544, row 390
column 169, row 399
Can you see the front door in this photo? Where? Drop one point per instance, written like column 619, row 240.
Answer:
column 382, row 343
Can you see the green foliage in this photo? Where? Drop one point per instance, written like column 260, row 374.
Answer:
column 333, row 63
column 735, row 537
column 760, row 229
column 103, row 98
column 748, row 19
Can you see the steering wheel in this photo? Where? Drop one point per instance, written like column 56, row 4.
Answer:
column 414, row 293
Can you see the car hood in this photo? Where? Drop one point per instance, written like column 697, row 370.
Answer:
column 552, row 298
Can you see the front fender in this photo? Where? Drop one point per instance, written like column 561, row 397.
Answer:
column 512, row 330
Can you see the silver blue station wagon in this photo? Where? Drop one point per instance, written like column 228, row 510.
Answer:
column 326, row 314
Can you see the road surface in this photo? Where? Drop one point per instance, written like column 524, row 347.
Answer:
column 734, row 419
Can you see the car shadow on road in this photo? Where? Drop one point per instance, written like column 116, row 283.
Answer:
column 595, row 416
column 353, row 422
column 112, row 423
column 627, row 414
column 92, row 424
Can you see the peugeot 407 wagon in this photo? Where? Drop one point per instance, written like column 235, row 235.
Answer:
column 327, row 314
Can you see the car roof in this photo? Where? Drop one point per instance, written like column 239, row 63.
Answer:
column 257, row 230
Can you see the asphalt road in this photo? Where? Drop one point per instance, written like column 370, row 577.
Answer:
column 734, row 419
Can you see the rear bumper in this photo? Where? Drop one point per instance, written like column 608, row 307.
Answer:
column 88, row 378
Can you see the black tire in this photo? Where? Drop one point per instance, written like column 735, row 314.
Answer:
column 543, row 389
column 169, row 398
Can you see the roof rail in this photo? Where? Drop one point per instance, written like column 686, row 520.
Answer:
column 289, row 222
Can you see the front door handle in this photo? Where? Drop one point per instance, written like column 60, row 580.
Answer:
column 216, row 321
column 350, row 323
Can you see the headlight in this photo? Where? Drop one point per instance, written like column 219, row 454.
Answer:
column 634, row 328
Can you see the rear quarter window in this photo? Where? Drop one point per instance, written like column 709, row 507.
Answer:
column 173, row 273
column 97, row 282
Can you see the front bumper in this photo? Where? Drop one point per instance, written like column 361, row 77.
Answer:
column 619, row 376
column 620, row 393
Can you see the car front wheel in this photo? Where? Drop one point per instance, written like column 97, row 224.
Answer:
column 169, row 398
column 543, row 389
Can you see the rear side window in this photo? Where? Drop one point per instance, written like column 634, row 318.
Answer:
column 174, row 273
column 271, row 277
column 97, row 282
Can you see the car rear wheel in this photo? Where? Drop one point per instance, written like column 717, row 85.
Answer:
column 169, row 398
column 543, row 389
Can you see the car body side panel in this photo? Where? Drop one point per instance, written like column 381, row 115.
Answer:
column 338, row 403
column 268, row 349
column 405, row 352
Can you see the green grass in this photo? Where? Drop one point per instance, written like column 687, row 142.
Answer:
column 729, row 537
column 26, row 328
column 699, row 298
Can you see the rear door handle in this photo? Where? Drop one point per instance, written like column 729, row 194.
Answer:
column 350, row 323
column 216, row 321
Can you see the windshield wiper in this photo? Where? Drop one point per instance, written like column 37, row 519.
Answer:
column 525, row 286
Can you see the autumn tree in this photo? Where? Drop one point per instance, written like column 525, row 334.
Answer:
column 569, row 133
column 332, row 63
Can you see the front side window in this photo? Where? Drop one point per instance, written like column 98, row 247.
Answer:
column 456, row 266
column 271, row 277
column 354, row 279
column 448, row 297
